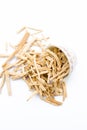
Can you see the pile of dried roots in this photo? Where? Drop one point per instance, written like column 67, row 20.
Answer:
column 42, row 68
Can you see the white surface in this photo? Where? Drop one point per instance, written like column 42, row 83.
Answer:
column 66, row 22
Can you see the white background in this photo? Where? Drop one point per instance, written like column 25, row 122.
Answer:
column 66, row 22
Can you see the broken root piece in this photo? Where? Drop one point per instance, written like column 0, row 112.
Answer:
column 8, row 83
column 53, row 101
column 32, row 95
